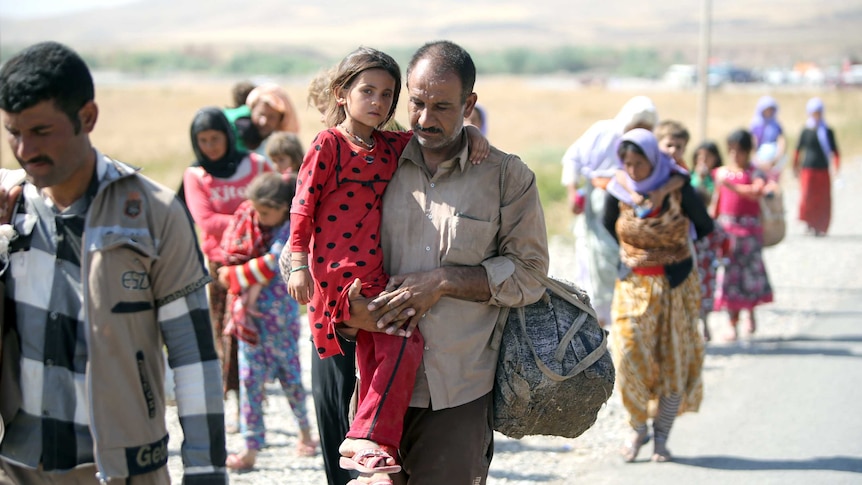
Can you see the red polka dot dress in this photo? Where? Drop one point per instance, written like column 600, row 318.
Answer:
column 339, row 194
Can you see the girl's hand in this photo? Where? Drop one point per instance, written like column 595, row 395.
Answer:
column 250, row 299
column 424, row 291
column 725, row 182
column 768, row 188
column 224, row 276
column 300, row 287
column 480, row 148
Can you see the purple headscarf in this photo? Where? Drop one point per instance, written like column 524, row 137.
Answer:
column 815, row 105
column 765, row 130
column 661, row 163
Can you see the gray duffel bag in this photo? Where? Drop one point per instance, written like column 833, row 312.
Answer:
column 554, row 372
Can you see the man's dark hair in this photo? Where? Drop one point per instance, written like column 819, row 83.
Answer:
column 448, row 56
column 43, row 72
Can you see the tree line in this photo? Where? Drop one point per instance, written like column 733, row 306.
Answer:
column 288, row 61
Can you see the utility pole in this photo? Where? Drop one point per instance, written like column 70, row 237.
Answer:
column 703, row 68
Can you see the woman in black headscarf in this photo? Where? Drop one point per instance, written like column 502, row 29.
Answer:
column 214, row 186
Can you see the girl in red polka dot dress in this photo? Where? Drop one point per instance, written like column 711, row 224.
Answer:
column 335, row 229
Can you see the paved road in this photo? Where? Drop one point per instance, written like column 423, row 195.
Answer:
column 783, row 407
column 785, row 411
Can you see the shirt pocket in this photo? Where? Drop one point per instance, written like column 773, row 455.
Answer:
column 127, row 260
column 465, row 240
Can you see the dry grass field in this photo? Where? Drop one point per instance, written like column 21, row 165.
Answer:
column 147, row 123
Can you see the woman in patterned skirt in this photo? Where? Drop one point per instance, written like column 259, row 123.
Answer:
column 656, row 345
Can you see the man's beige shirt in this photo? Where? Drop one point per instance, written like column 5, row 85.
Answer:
column 458, row 218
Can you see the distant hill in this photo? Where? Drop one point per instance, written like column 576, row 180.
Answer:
column 745, row 31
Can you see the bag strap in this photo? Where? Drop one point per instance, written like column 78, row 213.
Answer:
column 583, row 365
column 591, row 358
column 563, row 292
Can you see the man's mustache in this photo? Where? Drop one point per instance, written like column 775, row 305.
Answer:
column 37, row 159
column 427, row 130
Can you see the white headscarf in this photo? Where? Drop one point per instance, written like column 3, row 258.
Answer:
column 594, row 154
column 639, row 110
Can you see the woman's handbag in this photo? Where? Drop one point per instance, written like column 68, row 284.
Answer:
column 554, row 372
column 772, row 217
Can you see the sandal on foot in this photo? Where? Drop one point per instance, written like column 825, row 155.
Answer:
column 632, row 447
column 239, row 463
column 369, row 461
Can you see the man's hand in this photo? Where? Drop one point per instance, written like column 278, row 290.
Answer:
column 408, row 298
column 425, row 291
column 387, row 312
column 7, row 203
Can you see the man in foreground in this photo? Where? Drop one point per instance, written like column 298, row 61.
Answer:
column 460, row 241
column 103, row 271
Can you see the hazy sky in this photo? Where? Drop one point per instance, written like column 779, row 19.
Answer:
column 39, row 8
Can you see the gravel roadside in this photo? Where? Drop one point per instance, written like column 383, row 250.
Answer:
column 798, row 280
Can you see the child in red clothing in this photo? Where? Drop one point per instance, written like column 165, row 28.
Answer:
column 335, row 240
column 744, row 282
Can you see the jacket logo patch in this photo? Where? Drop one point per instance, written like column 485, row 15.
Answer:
column 135, row 280
column 132, row 207
column 147, row 458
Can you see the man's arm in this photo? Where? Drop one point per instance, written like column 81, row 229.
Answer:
column 179, row 280
column 412, row 295
column 187, row 332
column 522, row 241
column 507, row 279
